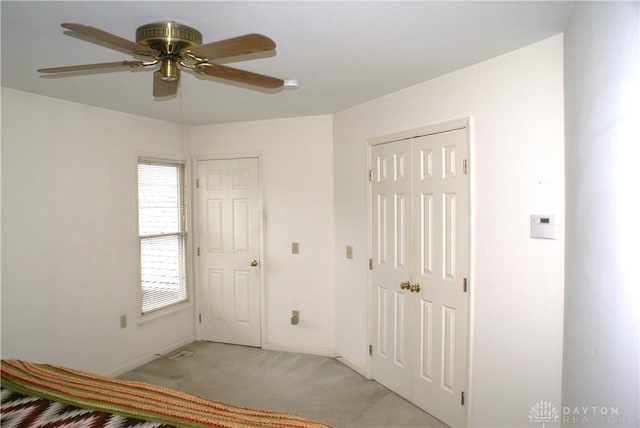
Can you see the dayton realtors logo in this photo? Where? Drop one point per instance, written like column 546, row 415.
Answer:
column 544, row 412
column 601, row 415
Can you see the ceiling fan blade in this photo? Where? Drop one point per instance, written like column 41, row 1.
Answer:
column 241, row 76
column 164, row 88
column 112, row 39
column 98, row 66
column 241, row 45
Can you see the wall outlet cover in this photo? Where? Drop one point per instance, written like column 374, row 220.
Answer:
column 295, row 317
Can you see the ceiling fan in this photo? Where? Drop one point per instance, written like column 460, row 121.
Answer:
column 173, row 46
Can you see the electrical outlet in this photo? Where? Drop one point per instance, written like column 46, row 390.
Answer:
column 123, row 321
column 295, row 248
column 295, row 317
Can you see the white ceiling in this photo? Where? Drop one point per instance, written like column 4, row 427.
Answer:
column 343, row 53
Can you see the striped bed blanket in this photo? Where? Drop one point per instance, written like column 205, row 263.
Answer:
column 47, row 395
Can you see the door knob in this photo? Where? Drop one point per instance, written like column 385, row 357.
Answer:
column 405, row 285
column 414, row 288
column 254, row 263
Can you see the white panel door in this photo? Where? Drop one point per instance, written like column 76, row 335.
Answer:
column 391, row 222
column 420, row 252
column 441, row 264
column 228, row 277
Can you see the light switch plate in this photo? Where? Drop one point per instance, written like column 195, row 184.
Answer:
column 295, row 248
column 349, row 252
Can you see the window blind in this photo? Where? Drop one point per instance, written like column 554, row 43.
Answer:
column 162, row 234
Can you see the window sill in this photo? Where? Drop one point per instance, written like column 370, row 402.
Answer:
column 164, row 312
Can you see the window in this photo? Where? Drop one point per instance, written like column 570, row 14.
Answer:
column 162, row 233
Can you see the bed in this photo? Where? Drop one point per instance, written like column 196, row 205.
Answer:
column 45, row 395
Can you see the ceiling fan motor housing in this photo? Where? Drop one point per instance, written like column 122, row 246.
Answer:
column 169, row 38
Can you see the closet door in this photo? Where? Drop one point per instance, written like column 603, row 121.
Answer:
column 420, row 254
column 391, row 224
column 229, row 250
column 440, row 268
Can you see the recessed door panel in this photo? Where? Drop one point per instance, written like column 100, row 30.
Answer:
column 381, row 330
column 241, row 225
column 400, row 312
column 382, row 215
column 214, row 179
column 215, row 228
column 215, row 295
column 448, row 162
column 241, row 179
column 426, row 340
column 399, row 233
column 425, row 222
column 426, row 164
column 448, row 349
column 382, row 168
column 449, row 220
column 242, row 296
column 399, row 166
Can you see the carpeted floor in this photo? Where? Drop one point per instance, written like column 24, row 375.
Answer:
column 319, row 388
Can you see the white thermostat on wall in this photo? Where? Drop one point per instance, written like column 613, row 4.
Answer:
column 543, row 227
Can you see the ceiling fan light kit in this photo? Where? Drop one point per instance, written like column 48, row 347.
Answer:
column 174, row 45
column 169, row 70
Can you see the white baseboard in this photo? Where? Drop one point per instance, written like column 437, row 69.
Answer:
column 356, row 367
column 150, row 357
column 325, row 352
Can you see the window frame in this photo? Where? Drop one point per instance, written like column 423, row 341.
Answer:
column 185, row 233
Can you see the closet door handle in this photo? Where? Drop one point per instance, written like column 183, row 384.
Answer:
column 405, row 285
column 414, row 288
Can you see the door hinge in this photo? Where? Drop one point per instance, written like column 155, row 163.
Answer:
column 464, row 285
column 462, row 398
column 200, row 318
column 371, row 350
column 197, row 183
column 198, row 250
column 464, row 166
column 370, row 264
column 370, row 175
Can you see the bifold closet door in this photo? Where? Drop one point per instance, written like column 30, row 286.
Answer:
column 420, row 249
column 441, row 268
column 391, row 223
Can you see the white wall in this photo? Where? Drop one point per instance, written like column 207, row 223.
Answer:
column 602, row 320
column 297, row 182
column 69, row 235
column 516, row 101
